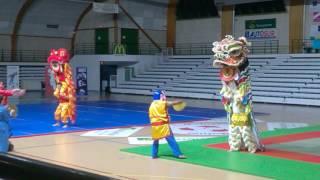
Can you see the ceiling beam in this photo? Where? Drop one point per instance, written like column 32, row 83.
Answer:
column 235, row 2
column 115, row 25
column 171, row 23
column 76, row 27
column 18, row 21
column 139, row 27
column 151, row 2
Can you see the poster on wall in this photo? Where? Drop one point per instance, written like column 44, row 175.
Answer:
column 314, row 4
column 82, row 85
column 107, row 8
column 261, row 24
column 261, row 29
column 12, row 77
column 50, row 83
column 314, row 19
column 260, row 34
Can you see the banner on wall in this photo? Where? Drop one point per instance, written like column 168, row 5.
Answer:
column 50, row 83
column 13, row 77
column 82, row 85
column 316, row 17
column 315, row 2
column 260, row 34
column 261, row 29
column 261, row 24
column 106, row 8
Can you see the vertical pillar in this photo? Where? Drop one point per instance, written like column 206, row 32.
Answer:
column 115, row 25
column 171, row 23
column 296, row 14
column 18, row 21
column 227, row 17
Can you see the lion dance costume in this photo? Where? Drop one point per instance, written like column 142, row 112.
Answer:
column 65, row 89
column 231, row 56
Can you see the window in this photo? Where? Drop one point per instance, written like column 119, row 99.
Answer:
column 274, row 6
column 191, row 9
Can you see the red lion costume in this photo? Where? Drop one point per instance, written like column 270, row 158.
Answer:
column 65, row 89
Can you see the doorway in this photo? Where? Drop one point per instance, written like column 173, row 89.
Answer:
column 102, row 41
column 130, row 39
column 105, row 72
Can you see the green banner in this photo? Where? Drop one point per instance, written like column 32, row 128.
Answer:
column 261, row 24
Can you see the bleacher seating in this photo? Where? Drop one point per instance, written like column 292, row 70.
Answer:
column 30, row 75
column 283, row 79
column 3, row 74
column 159, row 75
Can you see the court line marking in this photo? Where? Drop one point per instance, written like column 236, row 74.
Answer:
column 88, row 139
column 102, row 128
column 145, row 112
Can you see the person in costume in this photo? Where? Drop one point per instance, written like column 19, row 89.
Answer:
column 5, row 131
column 4, row 93
column 230, row 56
column 160, row 119
column 7, row 110
column 58, row 61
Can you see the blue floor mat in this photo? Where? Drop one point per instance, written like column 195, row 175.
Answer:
column 37, row 119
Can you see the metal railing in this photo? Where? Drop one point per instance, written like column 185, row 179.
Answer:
column 109, row 48
column 264, row 47
column 23, row 55
column 305, row 46
column 257, row 47
column 192, row 49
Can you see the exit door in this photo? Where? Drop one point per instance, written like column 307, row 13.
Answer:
column 105, row 72
column 102, row 41
column 130, row 39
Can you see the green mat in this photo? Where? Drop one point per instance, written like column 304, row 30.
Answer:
column 267, row 166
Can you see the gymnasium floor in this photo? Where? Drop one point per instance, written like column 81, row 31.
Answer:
column 34, row 137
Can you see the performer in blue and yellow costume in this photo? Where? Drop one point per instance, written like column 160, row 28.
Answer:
column 5, row 130
column 7, row 110
column 160, row 119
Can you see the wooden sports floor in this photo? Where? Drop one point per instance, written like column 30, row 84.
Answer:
column 34, row 137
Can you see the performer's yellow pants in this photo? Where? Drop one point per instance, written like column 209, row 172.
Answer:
column 63, row 112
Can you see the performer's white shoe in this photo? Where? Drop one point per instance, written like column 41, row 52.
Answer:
column 56, row 124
